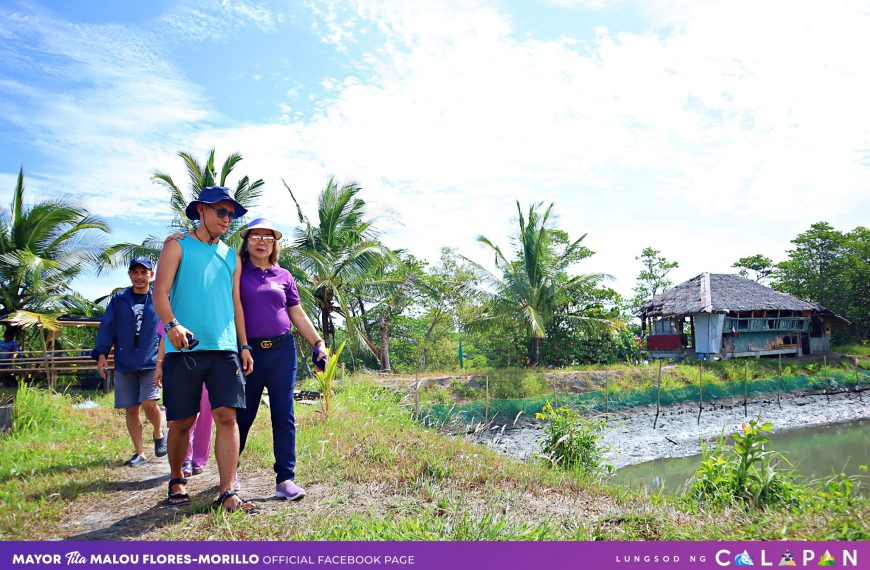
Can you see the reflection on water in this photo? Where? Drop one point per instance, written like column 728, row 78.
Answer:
column 815, row 453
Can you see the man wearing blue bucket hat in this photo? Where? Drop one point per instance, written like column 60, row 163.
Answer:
column 197, row 295
column 129, row 325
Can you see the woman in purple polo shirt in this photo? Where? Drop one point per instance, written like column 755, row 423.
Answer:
column 271, row 303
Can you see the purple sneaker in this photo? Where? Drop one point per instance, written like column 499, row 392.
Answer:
column 237, row 486
column 289, row 491
column 187, row 469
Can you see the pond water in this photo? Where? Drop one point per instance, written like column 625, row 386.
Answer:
column 815, row 452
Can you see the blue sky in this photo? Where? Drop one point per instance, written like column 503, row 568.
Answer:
column 709, row 130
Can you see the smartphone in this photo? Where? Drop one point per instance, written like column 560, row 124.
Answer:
column 192, row 341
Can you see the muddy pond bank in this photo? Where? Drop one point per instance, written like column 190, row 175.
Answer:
column 632, row 439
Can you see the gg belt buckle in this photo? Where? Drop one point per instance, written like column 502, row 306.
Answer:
column 265, row 344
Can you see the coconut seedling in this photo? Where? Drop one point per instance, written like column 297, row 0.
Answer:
column 326, row 378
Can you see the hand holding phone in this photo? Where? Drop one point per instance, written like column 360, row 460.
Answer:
column 192, row 341
column 319, row 358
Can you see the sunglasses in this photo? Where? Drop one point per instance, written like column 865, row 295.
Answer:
column 256, row 238
column 223, row 212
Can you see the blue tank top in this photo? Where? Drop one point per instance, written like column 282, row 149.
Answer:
column 202, row 294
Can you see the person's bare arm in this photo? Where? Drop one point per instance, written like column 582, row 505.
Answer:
column 306, row 328
column 167, row 265
column 304, row 325
column 158, row 370
column 241, row 334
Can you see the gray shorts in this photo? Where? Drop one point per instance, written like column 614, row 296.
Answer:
column 133, row 388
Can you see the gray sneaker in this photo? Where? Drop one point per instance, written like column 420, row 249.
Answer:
column 135, row 461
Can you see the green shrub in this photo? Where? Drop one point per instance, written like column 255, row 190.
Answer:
column 572, row 442
column 512, row 384
column 433, row 393
column 465, row 392
column 37, row 410
column 839, row 496
column 745, row 475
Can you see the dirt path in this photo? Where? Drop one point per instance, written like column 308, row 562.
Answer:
column 134, row 502
column 132, row 507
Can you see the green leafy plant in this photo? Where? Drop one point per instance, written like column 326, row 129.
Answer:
column 745, row 475
column 327, row 377
column 573, row 442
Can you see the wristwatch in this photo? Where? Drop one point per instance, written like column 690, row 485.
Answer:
column 170, row 324
column 244, row 346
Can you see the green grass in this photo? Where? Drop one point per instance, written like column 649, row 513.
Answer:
column 54, row 453
column 372, row 473
column 853, row 349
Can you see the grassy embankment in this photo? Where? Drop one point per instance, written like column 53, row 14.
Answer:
column 372, row 474
column 524, row 383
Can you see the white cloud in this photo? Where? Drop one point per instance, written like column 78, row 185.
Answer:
column 199, row 20
column 723, row 130
column 736, row 117
column 105, row 135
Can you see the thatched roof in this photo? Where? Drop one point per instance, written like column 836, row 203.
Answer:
column 726, row 293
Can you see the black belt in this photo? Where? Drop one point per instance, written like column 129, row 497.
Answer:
column 268, row 342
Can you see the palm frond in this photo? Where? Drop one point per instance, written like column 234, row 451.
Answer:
column 28, row 319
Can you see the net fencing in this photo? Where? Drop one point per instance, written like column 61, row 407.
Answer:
column 602, row 400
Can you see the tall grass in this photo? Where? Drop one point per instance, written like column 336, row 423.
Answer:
column 38, row 410
column 853, row 349
column 52, row 454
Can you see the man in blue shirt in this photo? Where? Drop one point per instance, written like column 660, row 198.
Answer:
column 197, row 296
column 130, row 325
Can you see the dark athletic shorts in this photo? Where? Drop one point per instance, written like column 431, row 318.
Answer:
column 184, row 374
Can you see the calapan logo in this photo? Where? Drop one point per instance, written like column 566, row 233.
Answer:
column 802, row 558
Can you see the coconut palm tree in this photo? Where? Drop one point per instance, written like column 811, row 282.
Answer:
column 341, row 251
column 529, row 288
column 43, row 247
column 199, row 176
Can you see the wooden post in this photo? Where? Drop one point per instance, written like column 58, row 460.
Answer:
column 700, row 389
column 486, row 389
column 825, row 376
column 52, row 337
column 417, row 396
column 555, row 393
column 45, row 353
column 658, row 395
column 779, row 381
column 745, row 388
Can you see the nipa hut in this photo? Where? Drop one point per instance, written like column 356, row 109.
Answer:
column 728, row 316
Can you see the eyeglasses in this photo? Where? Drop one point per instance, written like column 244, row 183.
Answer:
column 223, row 212
column 257, row 238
